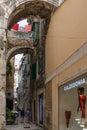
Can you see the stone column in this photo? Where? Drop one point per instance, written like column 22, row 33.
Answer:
column 2, row 81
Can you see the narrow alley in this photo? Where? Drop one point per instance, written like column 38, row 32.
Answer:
column 43, row 64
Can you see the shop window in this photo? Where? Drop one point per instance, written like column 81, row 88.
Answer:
column 73, row 105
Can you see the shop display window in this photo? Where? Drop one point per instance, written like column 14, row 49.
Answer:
column 73, row 105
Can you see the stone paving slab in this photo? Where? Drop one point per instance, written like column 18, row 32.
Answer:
column 21, row 127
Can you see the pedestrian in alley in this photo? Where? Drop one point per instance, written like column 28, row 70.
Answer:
column 26, row 119
column 22, row 115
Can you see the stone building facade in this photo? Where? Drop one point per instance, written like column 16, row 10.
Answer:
column 23, row 89
column 68, row 54
column 10, row 84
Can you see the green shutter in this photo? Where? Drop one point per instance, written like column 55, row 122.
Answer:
column 33, row 71
column 28, row 59
column 36, row 32
column 25, row 68
column 24, row 71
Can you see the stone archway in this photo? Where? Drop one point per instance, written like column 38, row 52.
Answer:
column 18, row 50
column 21, row 8
column 18, row 42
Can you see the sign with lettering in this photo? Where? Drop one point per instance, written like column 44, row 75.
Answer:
column 74, row 84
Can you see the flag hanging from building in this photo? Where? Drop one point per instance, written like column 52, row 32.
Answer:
column 15, row 27
column 28, row 28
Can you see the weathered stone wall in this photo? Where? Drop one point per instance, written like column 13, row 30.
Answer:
column 2, row 85
column 48, row 106
column 2, row 67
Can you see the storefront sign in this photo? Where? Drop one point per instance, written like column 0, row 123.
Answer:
column 74, row 84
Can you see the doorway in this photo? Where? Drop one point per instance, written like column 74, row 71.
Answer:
column 41, row 108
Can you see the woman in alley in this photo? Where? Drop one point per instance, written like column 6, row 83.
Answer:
column 26, row 119
column 22, row 115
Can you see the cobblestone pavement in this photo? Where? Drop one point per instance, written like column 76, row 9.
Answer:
column 21, row 127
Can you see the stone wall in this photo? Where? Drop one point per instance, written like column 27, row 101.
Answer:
column 2, row 69
column 2, row 87
column 48, row 106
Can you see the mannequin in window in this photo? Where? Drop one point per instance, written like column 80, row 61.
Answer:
column 67, row 116
column 82, row 101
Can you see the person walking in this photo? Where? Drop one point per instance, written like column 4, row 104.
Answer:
column 22, row 115
column 26, row 119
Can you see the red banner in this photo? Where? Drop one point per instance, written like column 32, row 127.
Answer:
column 15, row 27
